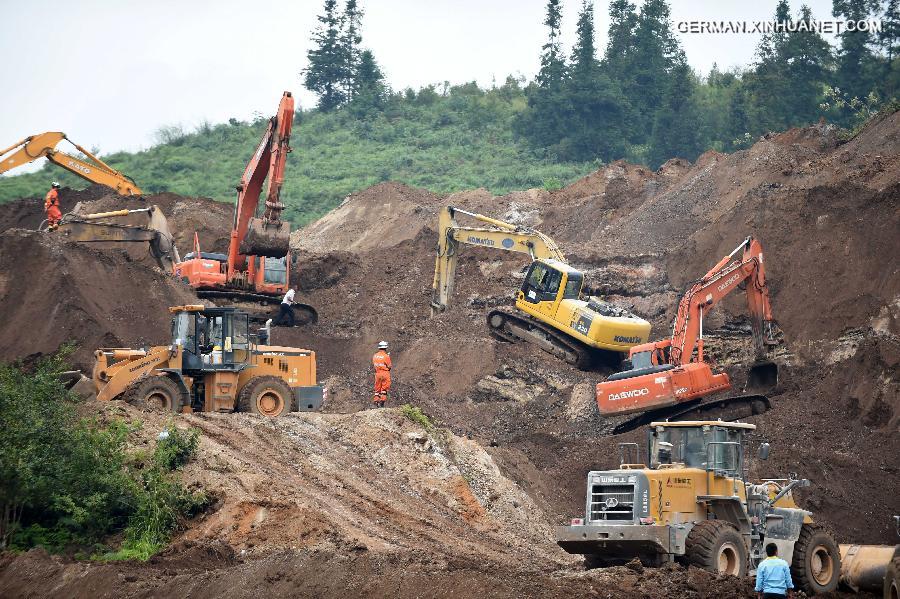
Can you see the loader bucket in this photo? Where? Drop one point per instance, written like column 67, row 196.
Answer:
column 863, row 566
column 763, row 376
column 263, row 239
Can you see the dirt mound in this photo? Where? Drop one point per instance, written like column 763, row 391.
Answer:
column 60, row 292
column 28, row 213
column 378, row 217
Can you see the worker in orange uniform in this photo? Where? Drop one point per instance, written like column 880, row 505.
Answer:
column 51, row 207
column 382, row 363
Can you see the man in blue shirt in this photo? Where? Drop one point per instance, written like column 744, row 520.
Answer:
column 773, row 577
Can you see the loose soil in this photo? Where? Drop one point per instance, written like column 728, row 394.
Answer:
column 316, row 504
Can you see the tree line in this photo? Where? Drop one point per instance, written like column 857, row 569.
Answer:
column 639, row 98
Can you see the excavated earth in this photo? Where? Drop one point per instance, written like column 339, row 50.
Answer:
column 367, row 501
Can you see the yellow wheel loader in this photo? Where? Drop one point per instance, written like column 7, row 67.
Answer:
column 550, row 311
column 211, row 365
column 694, row 504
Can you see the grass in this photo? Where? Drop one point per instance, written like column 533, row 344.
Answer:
column 444, row 143
column 417, row 416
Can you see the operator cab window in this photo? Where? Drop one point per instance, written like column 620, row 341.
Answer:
column 276, row 270
column 541, row 283
column 573, row 286
column 641, row 360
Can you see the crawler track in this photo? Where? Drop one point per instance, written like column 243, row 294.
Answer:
column 510, row 327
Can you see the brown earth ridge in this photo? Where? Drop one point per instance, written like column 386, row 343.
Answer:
column 368, row 503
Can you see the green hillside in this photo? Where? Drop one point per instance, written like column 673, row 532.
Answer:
column 461, row 139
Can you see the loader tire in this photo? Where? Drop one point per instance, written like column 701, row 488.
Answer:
column 158, row 393
column 892, row 580
column 266, row 395
column 816, row 565
column 716, row 546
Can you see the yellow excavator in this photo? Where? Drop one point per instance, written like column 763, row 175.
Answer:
column 550, row 311
column 91, row 168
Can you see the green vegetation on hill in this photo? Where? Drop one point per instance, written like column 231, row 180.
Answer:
column 445, row 142
column 68, row 482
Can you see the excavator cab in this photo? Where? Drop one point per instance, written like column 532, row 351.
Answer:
column 543, row 280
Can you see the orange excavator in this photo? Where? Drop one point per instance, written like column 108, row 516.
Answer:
column 91, row 168
column 669, row 379
column 257, row 266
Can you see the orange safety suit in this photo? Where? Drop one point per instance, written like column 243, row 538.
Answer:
column 51, row 206
column 382, row 363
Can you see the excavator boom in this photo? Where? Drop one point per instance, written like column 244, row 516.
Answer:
column 267, row 235
column 505, row 236
column 91, row 169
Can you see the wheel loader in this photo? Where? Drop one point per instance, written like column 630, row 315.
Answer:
column 694, row 504
column 211, row 365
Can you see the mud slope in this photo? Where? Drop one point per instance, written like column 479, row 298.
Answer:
column 60, row 292
column 368, row 504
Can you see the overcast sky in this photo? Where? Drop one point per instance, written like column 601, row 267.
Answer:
column 110, row 72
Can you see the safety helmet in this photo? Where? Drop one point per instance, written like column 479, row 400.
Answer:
column 55, row 185
column 382, row 345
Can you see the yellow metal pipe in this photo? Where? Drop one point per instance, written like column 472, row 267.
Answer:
column 863, row 566
column 123, row 212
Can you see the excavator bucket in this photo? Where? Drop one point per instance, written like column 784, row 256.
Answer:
column 126, row 229
column 266, row 239
column 763, row 376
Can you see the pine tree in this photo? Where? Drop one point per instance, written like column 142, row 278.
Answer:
column 350, row 39
column 598, row 109
column 553, row 67
column 325, row 74
column 544, row 120
column 677, row 123
column 855, row 62
column 620, row 44
column 654, row 58
column 807, row 59
column 889, row 42
column 369, row 84
column 889, row 36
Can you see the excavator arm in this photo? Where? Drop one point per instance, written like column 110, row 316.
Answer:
column 726, row 276
column 268, row 235
column 92, row 169
column 502, row 236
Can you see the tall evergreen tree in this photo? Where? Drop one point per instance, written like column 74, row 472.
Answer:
column 620, row 44
column 676, row 124
column 856, row 63
column 543, row 121
column 369, row 84
column 598, row 109
column 889, row 36
column 656, row 51
column 350, row 39
column 553, row 66
column 807, row 59
column 889, row 42
column 325, row 74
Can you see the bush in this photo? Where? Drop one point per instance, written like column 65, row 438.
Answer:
column 416, row 415
column 68, row 481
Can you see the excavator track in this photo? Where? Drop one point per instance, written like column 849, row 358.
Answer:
column 510, row 327
column 728, row 409
column 304, row 314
